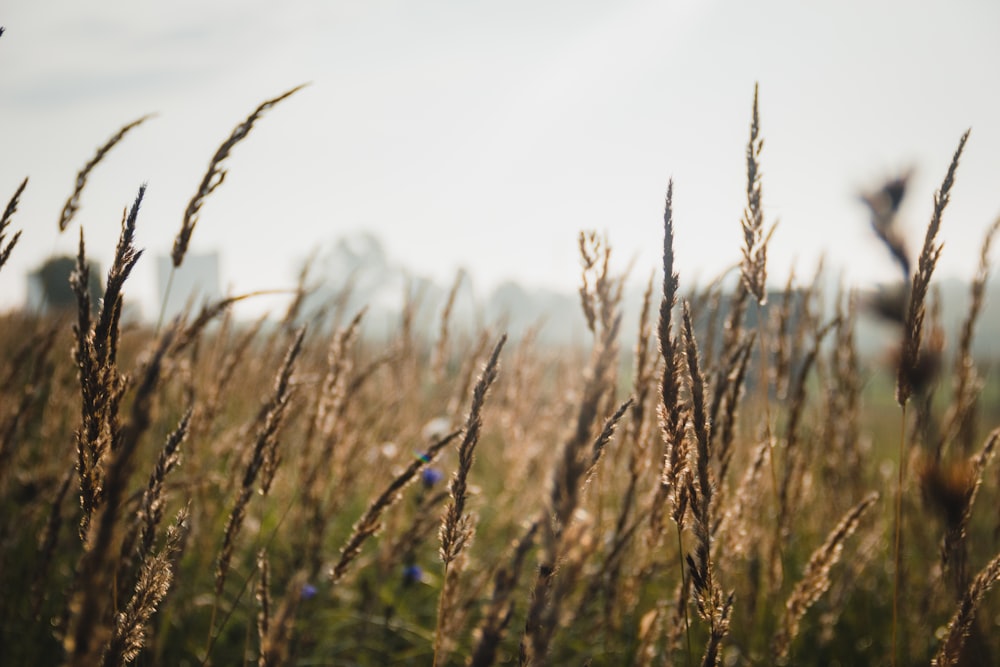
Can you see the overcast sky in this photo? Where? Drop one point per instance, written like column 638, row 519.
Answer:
column 485, row 135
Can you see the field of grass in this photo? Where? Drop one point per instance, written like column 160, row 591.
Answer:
column 734, row 487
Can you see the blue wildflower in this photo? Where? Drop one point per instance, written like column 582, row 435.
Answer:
column 431, row 476
column 412, row 574
column 308, row 592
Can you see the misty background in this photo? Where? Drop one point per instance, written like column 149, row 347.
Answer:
column 446, row 136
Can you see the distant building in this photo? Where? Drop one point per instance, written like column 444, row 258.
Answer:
column 193, row 284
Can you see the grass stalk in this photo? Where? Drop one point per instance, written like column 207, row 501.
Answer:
column 687, row 617
column 896, row 555
column 213, row 178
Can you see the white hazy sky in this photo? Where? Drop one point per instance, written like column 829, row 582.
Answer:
column 487, row 134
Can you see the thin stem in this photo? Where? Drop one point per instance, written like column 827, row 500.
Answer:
column 166, row 296
column 765, row 384
column 211, row 632
column 687, row 622
column 899, row 521
column 437, row 632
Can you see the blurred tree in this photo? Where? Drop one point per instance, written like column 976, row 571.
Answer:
column 53, row 279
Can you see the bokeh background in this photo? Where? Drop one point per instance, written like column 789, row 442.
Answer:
column 484, row 136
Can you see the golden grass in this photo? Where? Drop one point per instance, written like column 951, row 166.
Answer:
column 72, row 204
column 711, row 496
column 8, row 213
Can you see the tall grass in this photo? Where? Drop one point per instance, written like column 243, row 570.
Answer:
column 712, row 492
